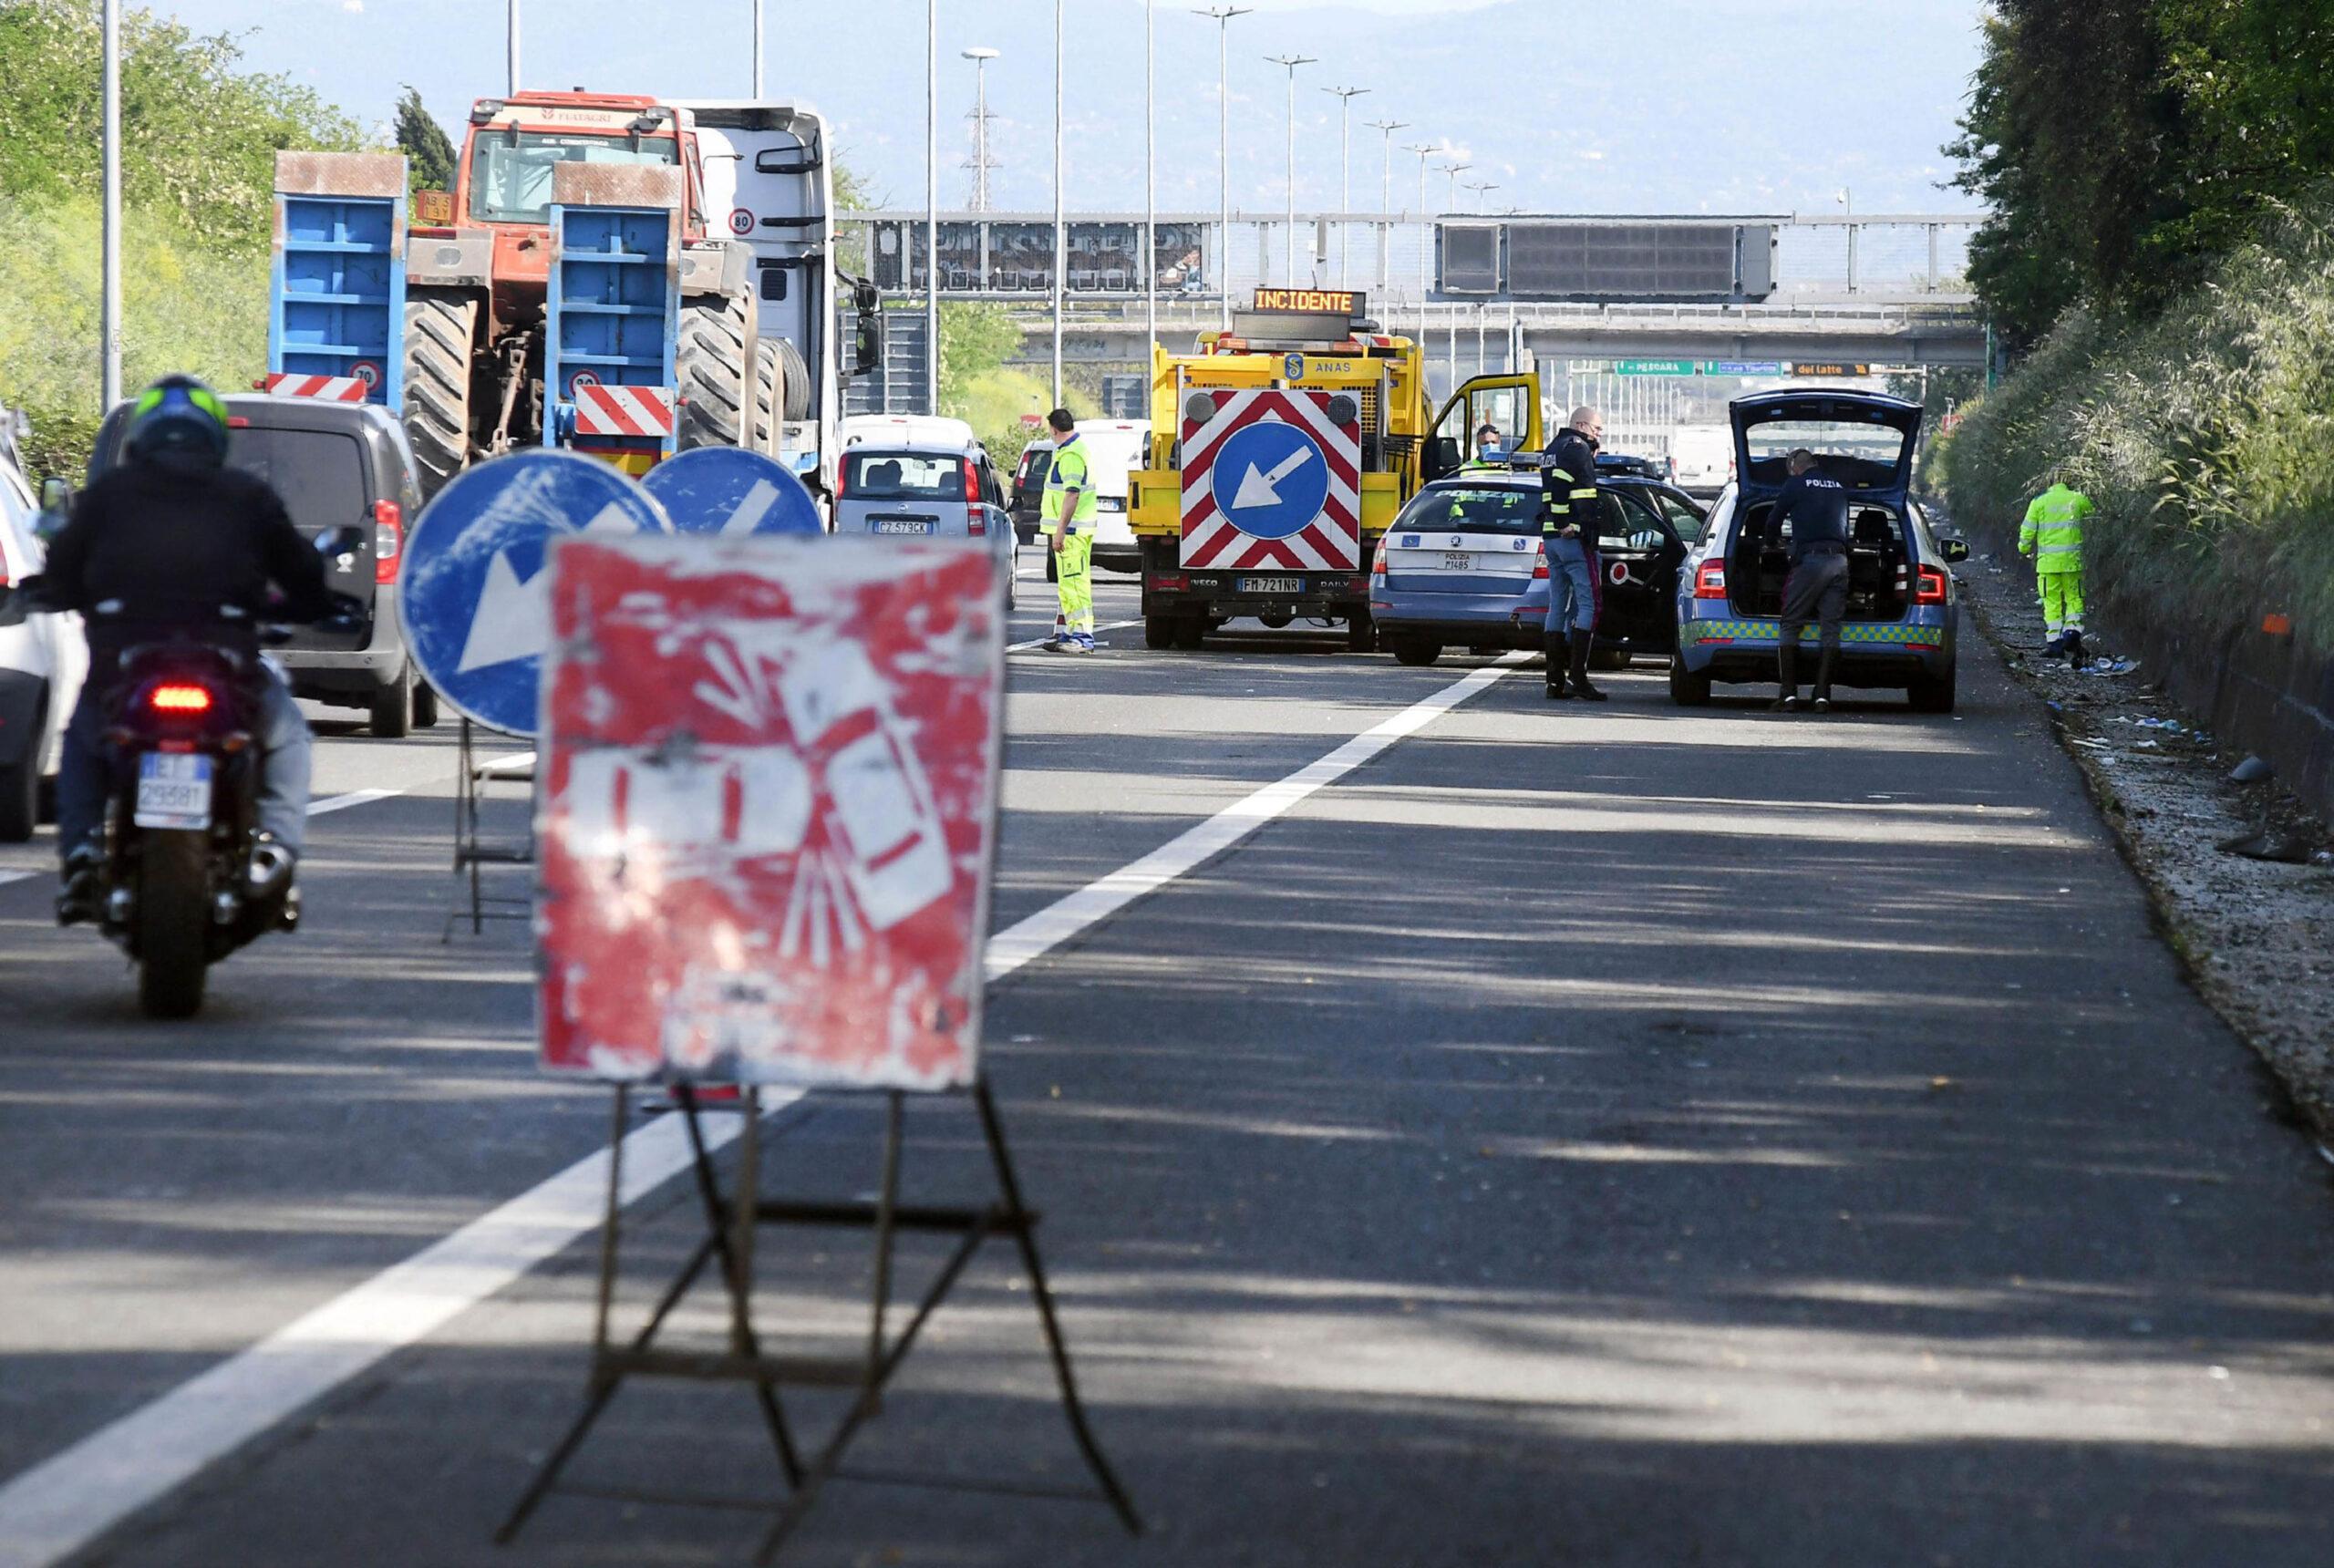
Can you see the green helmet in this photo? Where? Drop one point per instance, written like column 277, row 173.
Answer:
column 178, row 417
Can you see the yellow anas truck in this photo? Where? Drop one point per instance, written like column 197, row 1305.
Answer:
column 1281, row 452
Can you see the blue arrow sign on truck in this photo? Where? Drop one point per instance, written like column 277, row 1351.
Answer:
column 474, row 591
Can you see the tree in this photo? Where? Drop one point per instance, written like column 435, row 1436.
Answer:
column 431, row 159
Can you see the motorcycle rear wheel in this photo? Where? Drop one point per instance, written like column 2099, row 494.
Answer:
column 173, row 923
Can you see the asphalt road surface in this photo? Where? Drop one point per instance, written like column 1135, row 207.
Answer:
column 1615, row 1135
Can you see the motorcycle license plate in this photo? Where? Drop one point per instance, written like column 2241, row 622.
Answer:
column 1269, row 585
column 173, row 790
column 902, row 525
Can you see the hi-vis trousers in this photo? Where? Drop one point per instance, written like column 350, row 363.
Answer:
column 2062, row 600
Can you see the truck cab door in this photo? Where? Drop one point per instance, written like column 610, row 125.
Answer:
column 1511, row 403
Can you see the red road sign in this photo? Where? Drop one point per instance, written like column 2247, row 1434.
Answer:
column 329, row 388
column 770, row 797
column 1213, row 534
column 741, row 222
column 603, row 411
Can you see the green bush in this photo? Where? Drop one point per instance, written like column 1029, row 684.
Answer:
column 2205, row 435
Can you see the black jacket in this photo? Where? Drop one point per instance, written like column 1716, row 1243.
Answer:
column 152, row 552
column 1568, row 487
column 1816, row 507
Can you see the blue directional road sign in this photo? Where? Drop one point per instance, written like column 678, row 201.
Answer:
column 729, row 489
column 475, row 586
column 1270, row 479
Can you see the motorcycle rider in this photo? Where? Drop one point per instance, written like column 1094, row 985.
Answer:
column 172, row 543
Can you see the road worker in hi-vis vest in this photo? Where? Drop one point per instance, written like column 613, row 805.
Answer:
column 1066, row 519
column 2052, row 538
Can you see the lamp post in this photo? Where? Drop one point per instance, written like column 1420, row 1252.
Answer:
column 1450, row 191
column 1345, row 97
column 1425, row 149
column 1479, row 187
column 932, row 206
column 980, row 55
column 1222, row 16
column 110, row 243
column 1288, row 242
column 511, row 41
column 1061, row 226
column 757, row 50
column 1149, row 194
column 1386, row 199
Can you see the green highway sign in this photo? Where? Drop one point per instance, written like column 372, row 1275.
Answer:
column 1658, row 367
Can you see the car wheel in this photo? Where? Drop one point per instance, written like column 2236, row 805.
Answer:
column 1687, row 689
column 1361, row 634
column 425, row 705
column 1158, row 631
column 20, row 799
column 392, row 708
column 1933, row 694
column 1416, row 651
column 1608, row 659
column 1190, row 632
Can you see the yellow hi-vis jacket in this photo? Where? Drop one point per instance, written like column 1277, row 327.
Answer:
column 2052, row 534
column 1068, row 474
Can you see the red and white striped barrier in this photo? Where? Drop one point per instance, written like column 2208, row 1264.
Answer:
column 605, row 410
column 331, row 388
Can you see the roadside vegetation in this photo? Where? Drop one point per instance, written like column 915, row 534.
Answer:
column 199, row 135
column 2160, row 266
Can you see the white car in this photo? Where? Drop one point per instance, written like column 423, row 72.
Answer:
column 43, row 660
column 907, row 429
column 1114, row 450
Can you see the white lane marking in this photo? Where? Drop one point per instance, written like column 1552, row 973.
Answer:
column 7, row 877
column 1040, row 641
column 354, row 798
column 1058, row 922
column 62, row 1503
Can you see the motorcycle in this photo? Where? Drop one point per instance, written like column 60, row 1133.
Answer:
column 182, row 887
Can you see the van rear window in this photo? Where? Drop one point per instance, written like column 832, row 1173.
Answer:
column 903, row 476
column 320, row 474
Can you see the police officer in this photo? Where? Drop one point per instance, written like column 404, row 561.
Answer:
column 1816, row 506
column 172, row 543
column 1570, row 515
column 2051, row 537
column 1067, row 518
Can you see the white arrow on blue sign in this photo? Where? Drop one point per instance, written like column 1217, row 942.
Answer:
column 474, row 588
column 729, row 489
column 1270, row 479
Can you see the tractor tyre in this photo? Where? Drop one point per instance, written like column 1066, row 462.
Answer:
column 716, row 331
column 441, row 330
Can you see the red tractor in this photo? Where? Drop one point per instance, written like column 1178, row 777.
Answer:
column 477, row 278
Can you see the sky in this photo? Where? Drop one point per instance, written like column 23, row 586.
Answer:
column 1562, row 106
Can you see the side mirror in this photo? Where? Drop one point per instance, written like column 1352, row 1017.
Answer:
column 55, row 495
column 340, row 545
column 15, row 606
column 1956, row 549
column 1442, row 455
column 869, row 351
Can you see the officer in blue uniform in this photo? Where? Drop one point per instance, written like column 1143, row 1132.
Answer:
column 1816, row 588
column 1571, row 515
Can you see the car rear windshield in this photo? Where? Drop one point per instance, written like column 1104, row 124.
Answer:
column 1859, row 454
column 903, row 476
column 320, row 474
column 1488, row 510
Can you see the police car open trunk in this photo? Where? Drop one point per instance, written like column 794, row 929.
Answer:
column 1864, row 440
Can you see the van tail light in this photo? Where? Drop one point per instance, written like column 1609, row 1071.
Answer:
column 177, row 697
column 1929, row 587
column 1709, row 580
column 388, row 541
column 1540, row 563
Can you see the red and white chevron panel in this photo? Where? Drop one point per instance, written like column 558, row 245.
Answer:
column 331, row 388
column 1331, row 543
column 603, row 411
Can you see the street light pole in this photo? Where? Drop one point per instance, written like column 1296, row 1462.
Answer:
column 1150, row 192
column 1345, row 97
column 110, row 244
column 758, row 51
column 1479, row 187
column 1222, row 15
column 511, row 42
column 1450, row 191
column 1061, row 226
column 1288, row 242
column 932, row 206
column 1426, row 233
column 1386, row 200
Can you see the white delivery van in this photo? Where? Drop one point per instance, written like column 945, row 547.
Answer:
column 1704, row 456
column 910, row 429
column 1114, row 450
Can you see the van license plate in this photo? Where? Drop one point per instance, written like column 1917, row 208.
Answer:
column 173, row 790
column 1268, row 586
column 901, row 525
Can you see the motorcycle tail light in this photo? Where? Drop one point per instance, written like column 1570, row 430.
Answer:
column 177, row 697
column 1709, row 580
column 1930, row 588
column 388, row 539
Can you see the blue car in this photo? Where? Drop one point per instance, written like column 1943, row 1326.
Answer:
column 1462, row 567
column 1903, row 618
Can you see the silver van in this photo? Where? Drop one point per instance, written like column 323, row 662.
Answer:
column 911, row 489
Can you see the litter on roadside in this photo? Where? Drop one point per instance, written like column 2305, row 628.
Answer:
column 2279, row 848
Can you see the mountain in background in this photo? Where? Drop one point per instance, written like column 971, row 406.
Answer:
column 1657, row 106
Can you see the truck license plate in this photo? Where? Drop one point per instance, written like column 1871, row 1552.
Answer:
column 1269, row 585
column 1458, row 560
column 173, row 790
column 902, row 525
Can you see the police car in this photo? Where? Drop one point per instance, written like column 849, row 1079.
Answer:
column 1464, row 566
column 1902, row 619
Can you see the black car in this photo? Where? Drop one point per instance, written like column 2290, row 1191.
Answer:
column 335, row 464
column 1029, row 488
column 1621, row 465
